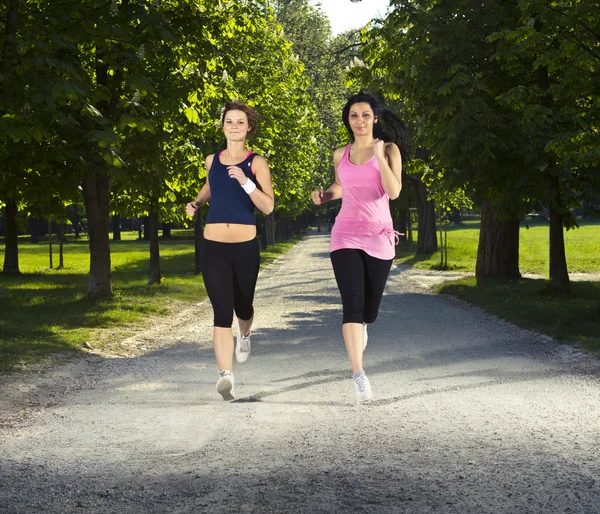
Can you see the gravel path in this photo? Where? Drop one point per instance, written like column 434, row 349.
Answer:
column 470, row 414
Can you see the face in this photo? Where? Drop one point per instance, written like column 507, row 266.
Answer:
column 235, row 125
column 361, row 118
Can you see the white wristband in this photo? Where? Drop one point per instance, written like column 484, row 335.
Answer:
column 249, row 186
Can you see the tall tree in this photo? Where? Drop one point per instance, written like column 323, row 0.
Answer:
column 552, row 49
column 325, row 59
column 434, row 55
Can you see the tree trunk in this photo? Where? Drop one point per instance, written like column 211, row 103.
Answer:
column 116, row 227
column 61, row 244
column 456, row 216
column 50, row 242
column 198, row 243
column 96, row 188
column 154, row 248
column 427, row 240
column 403, row 223
column 34, row 229
column 498, row 250
column 166, row 231
column 96, row 195
column 559, row 275
column 427, row 233
column 76, row 222
column 9, row 52
column 442, row 248
column 270, row 228
column 11, row 241
column 262, row 232
column 146, row 233
column 11, row 244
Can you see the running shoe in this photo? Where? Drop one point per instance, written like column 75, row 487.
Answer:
column 362, row 386
column 226, row 385
column 242, row 346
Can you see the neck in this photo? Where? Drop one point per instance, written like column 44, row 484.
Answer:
column 235, row 149
column 363, row 141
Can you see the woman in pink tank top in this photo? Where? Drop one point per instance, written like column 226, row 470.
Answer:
column 368, row 173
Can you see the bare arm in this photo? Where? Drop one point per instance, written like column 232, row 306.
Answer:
column 265, row 199
column 390, row 167
column 334, row 191
column 203, row 195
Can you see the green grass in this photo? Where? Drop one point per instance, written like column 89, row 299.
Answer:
column 582, row 249
column 45, row 311
column 570, row 318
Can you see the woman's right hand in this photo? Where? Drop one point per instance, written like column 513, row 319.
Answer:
column 318, row 197
column 191, row 208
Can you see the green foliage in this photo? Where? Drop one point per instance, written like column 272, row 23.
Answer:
column 553, row 51
column 446, row 199
column 132, row 90
column 324, row 60
column 502, row 99
column 134, row 87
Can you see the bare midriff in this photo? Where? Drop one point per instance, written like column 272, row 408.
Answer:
column 229, row 232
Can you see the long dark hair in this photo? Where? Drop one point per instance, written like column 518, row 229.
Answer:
column 389, row 127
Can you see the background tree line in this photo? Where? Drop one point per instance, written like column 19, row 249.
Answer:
column 503, row 102
column 115, row 103
column 118, row 102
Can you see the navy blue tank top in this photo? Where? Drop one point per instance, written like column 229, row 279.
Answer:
column 229, row 203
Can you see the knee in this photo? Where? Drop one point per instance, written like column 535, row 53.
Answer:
column 370, row 318
column 245, row 314
column 223, row 319
column 352, row 317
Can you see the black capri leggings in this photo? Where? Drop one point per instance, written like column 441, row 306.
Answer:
column 361, row 281
column 230, row 271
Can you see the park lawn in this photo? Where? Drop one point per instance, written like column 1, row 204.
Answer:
column 570, row 318
column 582, row 249
column 45, row 311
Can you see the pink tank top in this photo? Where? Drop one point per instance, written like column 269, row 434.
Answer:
column 364, row 221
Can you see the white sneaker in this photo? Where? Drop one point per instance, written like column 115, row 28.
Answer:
column 226, row 385
column 242, row 346
column 365, row 337
column 362, row 386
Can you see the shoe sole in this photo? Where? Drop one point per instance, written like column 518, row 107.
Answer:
column 224, row 389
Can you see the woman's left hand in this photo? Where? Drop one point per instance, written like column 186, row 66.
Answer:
column 237, row 173
column 378, row 148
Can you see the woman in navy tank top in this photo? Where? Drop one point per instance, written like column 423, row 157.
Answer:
column 368, row 173
column 237, row 182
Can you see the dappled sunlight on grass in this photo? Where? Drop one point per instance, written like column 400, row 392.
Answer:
column 46, row 310
column 582, row 249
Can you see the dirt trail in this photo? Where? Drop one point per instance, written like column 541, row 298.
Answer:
column 470, row 414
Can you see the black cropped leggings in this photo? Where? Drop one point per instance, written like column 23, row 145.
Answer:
column 230, row 271
column 361, row 280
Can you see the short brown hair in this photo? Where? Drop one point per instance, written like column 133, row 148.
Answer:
column 251, row 114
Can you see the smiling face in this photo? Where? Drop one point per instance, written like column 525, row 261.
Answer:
column 361, row 119
column 235, row 125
